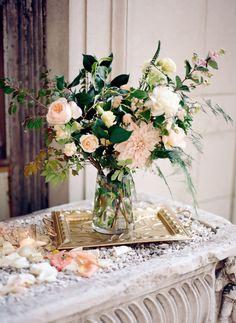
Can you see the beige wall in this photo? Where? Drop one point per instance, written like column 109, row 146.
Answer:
column 131, row 29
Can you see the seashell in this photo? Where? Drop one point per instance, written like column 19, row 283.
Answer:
column 35, row 257
column 15, row 260
column 44, row 272
column 118, row 251
column 26, row 251
column 7, row 248
column 17, row 284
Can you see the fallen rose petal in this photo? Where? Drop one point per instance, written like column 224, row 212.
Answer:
column 88, row 269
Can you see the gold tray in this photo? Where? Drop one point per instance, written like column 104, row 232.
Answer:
column 73, row 229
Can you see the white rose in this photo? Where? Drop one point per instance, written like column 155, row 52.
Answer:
column 175, row 138
column 164, row 101
column 59, row 112
column 44, row 272
column 76, row 111
column 108, row 118
column 70, row 149
column 168, row 66
column 89, row 143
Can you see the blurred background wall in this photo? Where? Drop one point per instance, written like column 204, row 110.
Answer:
column 131, row 29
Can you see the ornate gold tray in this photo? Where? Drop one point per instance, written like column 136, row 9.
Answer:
column 73, row 229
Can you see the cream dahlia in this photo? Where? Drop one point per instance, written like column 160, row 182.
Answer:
column 140, row 144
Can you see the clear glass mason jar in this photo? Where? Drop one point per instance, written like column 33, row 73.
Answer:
column 113, row 212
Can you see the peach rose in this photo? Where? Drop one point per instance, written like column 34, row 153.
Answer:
column 59, row 112
column 89, row 143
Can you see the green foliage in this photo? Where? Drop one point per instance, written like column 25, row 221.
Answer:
column 138, row 94
column 106, row 61
column 118, row 134
column 77, row 80
column 99, row 129
column 146, row 115
column 158, row 121
column 60, row 82
column 12, row 108
column 218, row 111
column 34, row 123
column 120, row 80
column 187, row 68
column 88, row 61
column 213, row 64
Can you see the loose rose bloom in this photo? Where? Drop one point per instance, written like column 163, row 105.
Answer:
column 59, row 112
column 127, row 119
column 167, row 65
column 108, row 118
column 116, row 101
column 76, row 111
column 175, row 138
column 163, row 100
column 139, row 145
column 89, row 143
column 70, row 149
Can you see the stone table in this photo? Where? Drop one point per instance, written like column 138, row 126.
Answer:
column 180, row 282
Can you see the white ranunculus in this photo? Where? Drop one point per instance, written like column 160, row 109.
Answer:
column 59, row 112
column 44, row 272
column 163, row 100
column 167, row 65
column 75, row 109
column 108, row 118
column 70, row 149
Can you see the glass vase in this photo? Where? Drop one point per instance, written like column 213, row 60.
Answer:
column 113, row 213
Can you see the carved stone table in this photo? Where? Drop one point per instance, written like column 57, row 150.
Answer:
column 194, row 283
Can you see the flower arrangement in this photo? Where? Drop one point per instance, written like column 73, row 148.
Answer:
column 116, row 127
